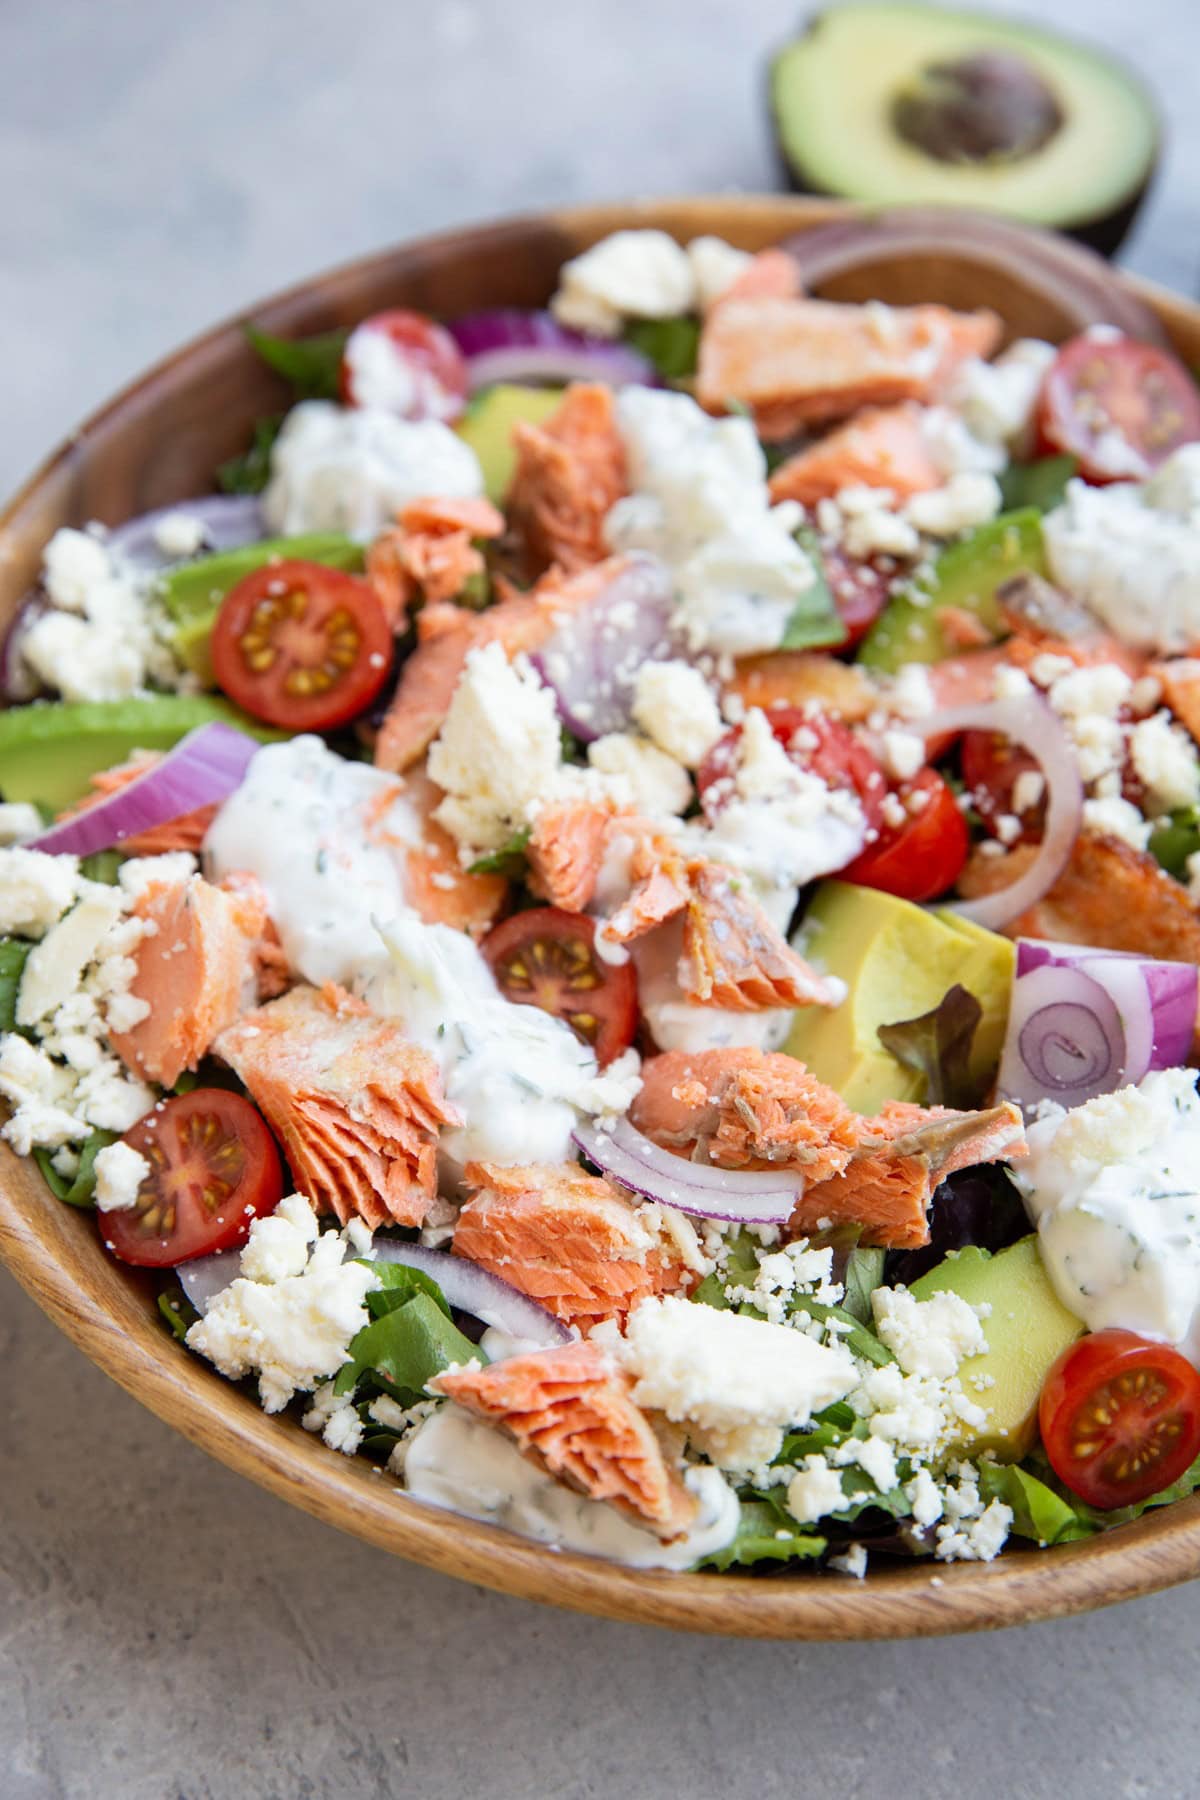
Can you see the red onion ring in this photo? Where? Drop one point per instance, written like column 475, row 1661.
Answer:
column 507, row 344
column 204, row 767
column 592, row 660
column 478, row 1292
column 228, row 522
column 1030, row 724
column 735, row 1196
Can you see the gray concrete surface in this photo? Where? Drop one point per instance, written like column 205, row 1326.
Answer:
column 167, row 1632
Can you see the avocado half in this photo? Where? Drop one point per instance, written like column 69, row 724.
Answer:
column 895, row 104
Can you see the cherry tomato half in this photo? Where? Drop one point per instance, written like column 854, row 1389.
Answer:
column 214, row 1169
column 991, row 767
column 547, row 957
column 860, row 590
column 1118, row 405
column 1120, row 1417
column 924, row 856
column 814, row 741
column 301, row 646
column 403, row 363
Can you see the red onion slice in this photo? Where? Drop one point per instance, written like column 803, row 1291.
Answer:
column 205, row 1277
column 478, row 1292
column 735, row 1196
column 592, row 660
column 227, row 520
column 1031, row 725
column 1085, row 1021
column 510, row 345
column 204, row 767
column 18, row 683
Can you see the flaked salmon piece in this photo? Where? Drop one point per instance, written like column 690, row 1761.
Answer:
column 883, row 447
column 659, row 888
column 744, row 1108
column 184, row 833
column 569, row 1240
column 356, row 1107
column 903, row 1154
column 1180, row 682
column 963, row 629
column 436, row 885
column 1110, row 896
column 566, row 850
column 734, row 957
column 446, row 635
column 430, row 552
column 195, row 970
column 798, row 362
column 772, row 275
column 272, row 971
column 796, row 677
column 570, row 471
column 571, row 1412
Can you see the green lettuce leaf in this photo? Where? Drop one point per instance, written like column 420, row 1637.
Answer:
column 1038, row 1512
column 816, row 623
column 508, row 860
column 1041, row 484
column 102, row 865
column 177, row 1310
column 309, row 365
column 13, row 955
column 80, row 1188
column 938, row 1046
column 398, row 1284
column 404, row 1348
column 249, row 472
column 671, row 345
column 863, row 1274
column 740, row 1270
column 764, row 1534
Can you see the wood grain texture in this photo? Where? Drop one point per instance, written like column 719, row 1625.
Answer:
column 158, row 442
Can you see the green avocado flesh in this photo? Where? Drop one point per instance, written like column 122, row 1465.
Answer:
column 1027, row 1329
column 192, row 594
column 897, row 961
column 49, row 751
column 966, row 577
column 838, row 95
column 488, row 428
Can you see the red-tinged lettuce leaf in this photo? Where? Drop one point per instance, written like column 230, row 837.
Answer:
column 938, row 1046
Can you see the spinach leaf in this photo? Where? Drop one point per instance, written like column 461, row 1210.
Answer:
column 938, row 1046
column 508, row 860
column 1041, row 484
column 310, row 365
column 177, row 1310
column 102, row 865
column 404, row 1348
column 859, row 1339
column 741, row 1266
column 765, row 1533
column 78, row 1189
column 671, row 345
column 863, row 1274
column 249, row 472
column 13, row 955
column 1038, row 1512
column 398, row 1284
column 815, row 623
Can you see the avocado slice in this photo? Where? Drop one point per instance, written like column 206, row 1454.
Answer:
column 899, row 104
column 488, row 428
column 965, row 576
column 191, row 594
column 49, row 750
column 1026, row 1330
column 897, row 961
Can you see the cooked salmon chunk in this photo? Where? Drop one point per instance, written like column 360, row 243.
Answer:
column 798, row 677
column 1180, row 679
column 356, row 1107
column 569, row 1240
column 571, row 1412
column 570, row 471
column 884, row 447
column 429, row 553
column 797, row 362
column 195, row 971
column 566, row 850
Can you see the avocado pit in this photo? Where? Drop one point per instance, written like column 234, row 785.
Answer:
column 991, row 106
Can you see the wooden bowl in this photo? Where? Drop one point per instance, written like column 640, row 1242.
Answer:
column 160, row 441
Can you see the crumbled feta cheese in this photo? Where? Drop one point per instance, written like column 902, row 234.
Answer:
column 1028, row 790
column 180, row 534
column 39, row 1091
column 875, row 1456
column 351, row 469
column 73, row 563
column 870, row 527
column 1112, row 816
column 966, row 500
column 499, row 750
column 814, row 1491
column 35, row 890
column 716, row 265
column 700, row 502
column 120, row 1172
column 1164, row 759
column 910, row 692
column 101, row 639
column 677, row 709
column 279, row 1243
column 852, row 1561
column 998, row 400
column 925, row 1498
column 658, row 784
column 336, row 1418
column 630, row 274
column 55, row 966
column 18, row 821
column 138, row 873
column 292, row 1331
column 902, row 754
column 954, row 449
column 927, row 1337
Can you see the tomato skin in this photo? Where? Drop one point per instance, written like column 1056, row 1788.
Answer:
column 320, row 638
column 1120, row 1417
column 814, row 740
column 860, row 590
column 205, row 1140
column 1099, row 387
column 991, row 766
column 428, row 376
column 923, row 857
column 546, row 957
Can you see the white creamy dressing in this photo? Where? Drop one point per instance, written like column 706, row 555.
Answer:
column 519, row 1076
column 299, row 822
column 386, row 378
column 456, row 1462
column 1114, row 1189
column 677, row 1023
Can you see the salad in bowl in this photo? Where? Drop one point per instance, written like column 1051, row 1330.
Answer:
column 617, row 916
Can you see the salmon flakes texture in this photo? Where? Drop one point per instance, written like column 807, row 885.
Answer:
column 570, row 472
column 356, row 1107
column 571, row 1241
column 571, row 1412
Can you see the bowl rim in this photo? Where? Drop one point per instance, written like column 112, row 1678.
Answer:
column 900, row 1600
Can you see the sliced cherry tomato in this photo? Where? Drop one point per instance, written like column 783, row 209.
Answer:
column 814, row 741
column 860, row 590
column 214, row 1169
column 924, row 856
column 1118, row 405
column 404, row 363
column 547, row 957
column 301, row 646
column 991, row 765
column 1120, row 1417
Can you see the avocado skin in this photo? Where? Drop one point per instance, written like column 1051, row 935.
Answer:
column 1104, row 233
